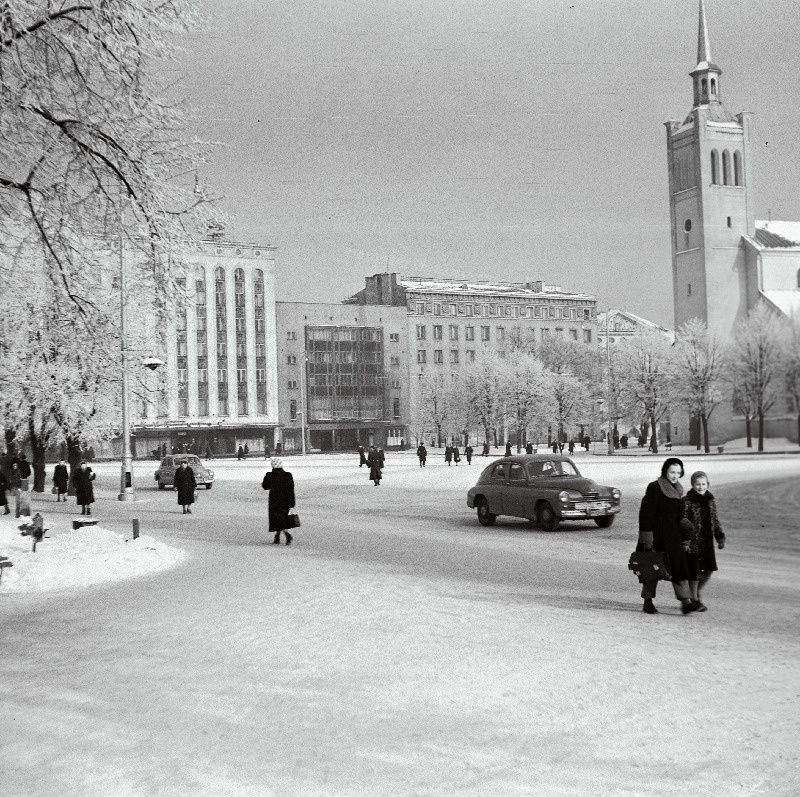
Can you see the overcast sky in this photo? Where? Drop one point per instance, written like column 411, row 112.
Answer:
column 504, row 139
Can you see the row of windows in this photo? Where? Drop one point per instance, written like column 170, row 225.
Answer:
column 503, row 311
column 469, row 333
column 727, row 176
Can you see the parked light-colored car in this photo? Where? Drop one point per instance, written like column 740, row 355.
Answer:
column 166, row 471
column 547, row 488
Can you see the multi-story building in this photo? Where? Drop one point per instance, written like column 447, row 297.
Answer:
column 342, row 375
column 449, row 322
column 615, row 326
column 220, row 376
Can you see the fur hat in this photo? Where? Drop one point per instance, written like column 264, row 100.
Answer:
column 276, row 462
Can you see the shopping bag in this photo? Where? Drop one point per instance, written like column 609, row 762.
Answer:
column 294, row 521
column 650, row 566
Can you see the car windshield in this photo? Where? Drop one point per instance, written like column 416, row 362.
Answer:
column 558, row 467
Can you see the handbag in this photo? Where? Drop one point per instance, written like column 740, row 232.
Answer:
column 54, row 490
column 650, row 566
column 294, row 520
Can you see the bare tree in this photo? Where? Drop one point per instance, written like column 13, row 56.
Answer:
column 480, row 384
column 755, row 352
column 435, row 403
column 791, row 365
column 644, row 372
column 698, row 369
column 524, row 392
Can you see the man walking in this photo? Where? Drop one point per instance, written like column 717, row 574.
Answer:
column 422, row 453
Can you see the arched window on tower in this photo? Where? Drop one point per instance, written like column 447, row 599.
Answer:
column 714, row 167
column 713, row 87
column 737, row 168
column 726, row 168
column 703, row 87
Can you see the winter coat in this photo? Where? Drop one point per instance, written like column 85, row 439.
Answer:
column 468, row 453
column 185, row 485
column 374, row 462
column 422, row 452
column 362, row 460
column 281, row 498
column 61, row 478
column 701, row 512
column 24, row 468
column 456, row 454
column 448, row 453
column 381, row 457
column 14, row 478
column 3, row 487
column 661, row 516
column 508, row 449
column 84, row 492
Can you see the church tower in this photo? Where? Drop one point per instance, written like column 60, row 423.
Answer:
column 709, row 195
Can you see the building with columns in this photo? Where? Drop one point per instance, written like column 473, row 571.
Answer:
column 219, row 383
column 724, row 262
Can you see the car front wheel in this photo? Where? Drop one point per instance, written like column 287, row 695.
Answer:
column 208, row 487
column 604, row 522
column 485, row 517
column 547, row 517
column 161, row 485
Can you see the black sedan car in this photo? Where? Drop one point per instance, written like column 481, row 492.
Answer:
column 547, row 488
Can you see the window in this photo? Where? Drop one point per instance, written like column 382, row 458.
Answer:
column 587, row 335
column 222, row 375
column 421, row 356
column 545, row 332
column 587, row 314
column 396, row 408
column 202, row 375
column 292, row 384
column 437, row 331
column 261, row 350
column 260, row 325
column 394, row 362
column 452, row 309
column 291, row 336
column 183, row 406
column 469, row 333
column 241, row 350
column 293, row 410
column 689, row 289
column 501, row 333
column 726, row 167
column 261, row 375
column 438, row 356
column 714, row 167
column 737, row 168
column 394, row 337
column 453, row 332
column 484, row 333
column 453, row 356
column 687, row 225
column 396, row 384
column 499, row 473
column 729, row 221
column 182, row 376
column 516, row 473
column 559, row 332
column 573, row 334
column 291, row 359
column 470, row 355
column 241, row 376
column 421, row 331
column 222, row 350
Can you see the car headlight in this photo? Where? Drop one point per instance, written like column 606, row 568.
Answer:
column 616, row 494
column 565, row 496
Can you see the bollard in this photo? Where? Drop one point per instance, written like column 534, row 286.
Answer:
column 136, row 528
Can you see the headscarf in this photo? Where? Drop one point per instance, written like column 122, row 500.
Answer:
column 276, row 462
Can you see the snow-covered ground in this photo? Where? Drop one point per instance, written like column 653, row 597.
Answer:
column 77, row 558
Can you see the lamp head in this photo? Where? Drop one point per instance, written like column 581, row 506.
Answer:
column 152, row 363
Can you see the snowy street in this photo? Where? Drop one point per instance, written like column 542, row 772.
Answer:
column 399, row 648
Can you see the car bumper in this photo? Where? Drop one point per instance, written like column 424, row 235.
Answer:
column 589, row 513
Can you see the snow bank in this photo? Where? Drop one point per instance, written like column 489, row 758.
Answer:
column 69, row 559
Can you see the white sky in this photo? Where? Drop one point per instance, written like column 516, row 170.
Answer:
column 508, row 140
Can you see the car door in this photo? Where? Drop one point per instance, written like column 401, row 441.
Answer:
column 538, row 482
column 496, row 487
column 516, row 494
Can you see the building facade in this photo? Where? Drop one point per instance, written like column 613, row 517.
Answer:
column 724, row 262
column 220, row 379
column 342, row 376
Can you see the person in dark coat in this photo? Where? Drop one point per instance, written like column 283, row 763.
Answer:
column 422, row 453
column 84, row 492
column 700, row 509
column 61, row 480
column 448, row 454
column 468, row 454
column 362, row 459
column 3, row 498
column 529, row 448
column 24, row 470
column 240, row 453
column 586, row 442
column 281, row 499
column 508, row 448
column 555, row 446
column 246, row 450
column 381, row 458
column 456, row 455
column 660, row 529
column 14, row 477
column 623, row 441
column 571, row 448
column 185, row 485
column 374, row 462
column 485, row 452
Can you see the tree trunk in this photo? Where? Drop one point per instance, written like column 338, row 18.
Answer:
column 74, row 456
column 706, row 446
column 760, row 430
column 747, row 426
column 10, row 435
column 654, row 435
column 38, row 447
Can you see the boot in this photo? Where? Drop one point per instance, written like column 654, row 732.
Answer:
column 188, row 510
column 184, row 510
column 88, row 510
column 648, row 607
column 8, row 511
column 687, row 607
column 83, row 510
column 277, row 540
column 289, row 538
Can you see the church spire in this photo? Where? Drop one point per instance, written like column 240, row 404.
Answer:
column 703, row 44
column 705, row 76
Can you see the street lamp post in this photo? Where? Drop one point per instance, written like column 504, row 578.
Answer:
column 126, row 491
column 302, row 412
column 609, row 403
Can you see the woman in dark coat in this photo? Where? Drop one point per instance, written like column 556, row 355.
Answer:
column 185, row 484
column 3, row 499
column 374, row 462
column 660, row 529
column 281, row 499
column 84, row 492
column 61, row 480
